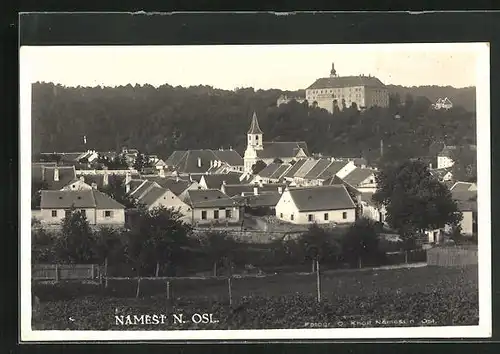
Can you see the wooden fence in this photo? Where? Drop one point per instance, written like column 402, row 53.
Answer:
column 452, row 256
column 65, row 272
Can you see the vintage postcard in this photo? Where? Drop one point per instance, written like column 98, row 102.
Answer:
column 265, row 192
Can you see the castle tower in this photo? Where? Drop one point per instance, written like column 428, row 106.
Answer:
column 333, row 72
column 255, row 134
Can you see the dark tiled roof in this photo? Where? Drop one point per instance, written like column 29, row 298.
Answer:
column 237, row 189
column 46, row 174
column 231, row 157
column 332, row 169
column 266, row 199
column 317, row 169
column 278, row 174
column 367, row 198
column 357, row 176
column 98, row 179
column 440, row 173
column 346, row 81
column 335, row 180
column 78, row 199
column 174, row 158
column 143, row 188
column 208, row 198
column 268, row 171
column 216, row 181
column 333, row 197
column 176, row 186
column 291, row 172
column 285, row 149
column 254, row 126
column 305, row 168
column 152, row 196
column 461, row 187
column 135, row 183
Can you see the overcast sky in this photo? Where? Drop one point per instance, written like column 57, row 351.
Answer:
column 287, row 67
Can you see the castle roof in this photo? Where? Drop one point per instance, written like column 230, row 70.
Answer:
column 346, row 81
column 254, row 126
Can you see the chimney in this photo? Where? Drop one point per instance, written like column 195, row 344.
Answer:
column 94, row 185
column 280, row 190
column 255, row 191
column 177, row 178
column 199, row 162
column 56, row 174
column 128, row 177
column 127, row 188
column 162, row 172
column 223, row 183
column 105, row 179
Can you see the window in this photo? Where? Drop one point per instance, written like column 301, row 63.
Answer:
column 203, row 215
column 229, row 214
column 281, row 215
column 291, row 217
column 326, row 216
column 107, row 213
column 216, row 214
column 54, row 213
column 344, row 215
column 310, row 217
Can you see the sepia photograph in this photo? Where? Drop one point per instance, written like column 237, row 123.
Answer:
column 255, row 192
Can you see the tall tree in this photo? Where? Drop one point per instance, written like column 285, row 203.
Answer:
column 76, row 242
column 219, row 247
column 319, row 244
column 414, row 200
column 360, row 241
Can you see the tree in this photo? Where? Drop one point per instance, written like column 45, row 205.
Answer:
column 465, row 164
column 319, row 244
column 414, row 200
column 116, row 190
column 258, row 166
column 140, row 162
column 108, row 245
column 76, row 242
column 360, row 241
column 219, row 247
column 155, row 237
column 36, row 196
column 42, row 244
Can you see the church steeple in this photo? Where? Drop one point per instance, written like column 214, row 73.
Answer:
column 254, row 126
column 255, row 134
column 333, row 72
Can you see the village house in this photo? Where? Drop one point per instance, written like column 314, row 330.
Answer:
column 99, row 208
column 369, row 208
column 57, row 178
column 363, row 179
column 315, row 172
column 268, row 152
column 272, row 173
column 71, row 158
column 444, row 158
column 443, row 103
column 215, row 181
column 283, row 99
column 319, row 204
column 196, row 162
column 442, row 174
column 157, row 197
column 212, row 207
column 176, row 185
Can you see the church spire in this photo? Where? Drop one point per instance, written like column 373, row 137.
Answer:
column 333, row 72
column 254, row 126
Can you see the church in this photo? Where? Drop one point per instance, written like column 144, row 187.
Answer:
column 258, row 149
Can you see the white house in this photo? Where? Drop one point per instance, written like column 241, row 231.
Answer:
column 99, row 208
column 320, row 204
column 211, row 207
column 370, row 210
column 363, row 179
column 442, row 174
column 443, row 103
column 156, row 197
column 444, row 158
column 314, row 172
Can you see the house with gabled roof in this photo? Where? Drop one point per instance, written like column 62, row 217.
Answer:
column 318, row 204
column 463, row 187
column 156, row 197
column 268, row 152
column 363, row 179
column 442, row 174
column 98, row 207
column 211, row 207
column 314, row 172
column 192, row 162
column 443, row 103
column 57, row 178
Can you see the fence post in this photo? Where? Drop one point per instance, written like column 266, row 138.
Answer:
column 230, row 293
column 106, row 272
column 57, row 273
column 406, row 256
column 93, row 271
column 318, row 287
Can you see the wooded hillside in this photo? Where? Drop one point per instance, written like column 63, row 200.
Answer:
column 160, row 120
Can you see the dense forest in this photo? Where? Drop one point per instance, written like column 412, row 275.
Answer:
column 161, row 120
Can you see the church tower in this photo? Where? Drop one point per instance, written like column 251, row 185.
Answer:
column 255, row 134
column 333, row 72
